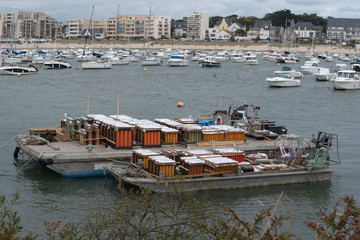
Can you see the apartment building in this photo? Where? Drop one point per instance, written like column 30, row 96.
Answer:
column 75, row 27
column 343, row 29
column 28, row 25
column 138, row 26
column 196, row 25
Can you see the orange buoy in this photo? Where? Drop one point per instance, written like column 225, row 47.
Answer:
column 180, row 104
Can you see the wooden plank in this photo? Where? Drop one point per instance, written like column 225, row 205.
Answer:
column 198, row 175
column 220, row 143
column 42, row 130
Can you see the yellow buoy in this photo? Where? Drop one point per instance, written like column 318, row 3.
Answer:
column 248, row 66
column 279, row 64
column 18, row 74
column 180, row 104
column 145, row 69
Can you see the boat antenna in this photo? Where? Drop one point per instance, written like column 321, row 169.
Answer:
column 118, row 104
column 88, row 105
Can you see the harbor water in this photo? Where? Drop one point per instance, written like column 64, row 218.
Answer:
column 41, row 100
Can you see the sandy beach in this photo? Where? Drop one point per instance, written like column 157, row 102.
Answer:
column 190, row 46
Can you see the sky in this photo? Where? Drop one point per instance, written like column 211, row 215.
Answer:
column 62, row 10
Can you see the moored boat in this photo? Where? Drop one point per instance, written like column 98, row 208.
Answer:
column 178, row 61
column 324, row 74
column 211, row 62
column 16, row 70
column 56, row 64
column 151, row 61
column 288, row 72
column 96, row 65
column 283, row 82
column 346, row 80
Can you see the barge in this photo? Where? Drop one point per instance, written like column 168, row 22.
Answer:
column 99, row 145
column 223, row 180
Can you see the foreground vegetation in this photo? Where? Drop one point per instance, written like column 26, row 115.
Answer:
column 180, row 216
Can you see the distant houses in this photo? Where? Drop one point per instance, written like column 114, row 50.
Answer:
column 343, row 29
column 37, row 25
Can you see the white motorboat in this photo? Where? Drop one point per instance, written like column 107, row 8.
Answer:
column 56, row 64
column 38, row 59
column 211, row 62
column 151, row 61
column 324, row 74
column 283, row 82
column 96, row 65
column 341, row 66
column 288, row 72
column 178, row 61
column 222, row 57
column 329, row 58
column 238, row 57
column 13, row 60
column 287, row 60
column 310, row 67
column 118, row 61
column 355, row 66
column 346, row 80
column 251, row 60
column 16, row 70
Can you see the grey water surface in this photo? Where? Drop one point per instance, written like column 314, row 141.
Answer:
column 41, row 100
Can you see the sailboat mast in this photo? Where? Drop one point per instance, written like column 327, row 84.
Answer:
column 86, row 37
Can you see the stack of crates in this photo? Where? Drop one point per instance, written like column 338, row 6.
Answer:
column 148, row 135
column 186, row 120
column 212, row 135
column 194, row 165
column 169, row 123
column 235, row 134
column 192, row 133
column 232, row 153
column 172, row 153
column 143, row 154
column 221, row 164
column 197, row 152
column 159, row 164
column 169, row 135
column 121, row 134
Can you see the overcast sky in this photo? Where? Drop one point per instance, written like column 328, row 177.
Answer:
column 62, row 10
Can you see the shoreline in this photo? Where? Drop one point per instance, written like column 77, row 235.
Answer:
column 187, row 46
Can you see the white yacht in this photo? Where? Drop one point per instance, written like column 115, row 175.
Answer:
column 16, row 70
column 56, row 64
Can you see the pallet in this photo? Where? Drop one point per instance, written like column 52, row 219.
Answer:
column 220, row 143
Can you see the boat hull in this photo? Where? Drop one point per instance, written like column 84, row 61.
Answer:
column 96, row 65
column 240, row 180
column 211, row 64
column 346, row 85
column 280, row 82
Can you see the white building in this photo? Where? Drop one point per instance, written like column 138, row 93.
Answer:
column 195, row 25
column 215, row 34
column 305, row 30
column 162, row 26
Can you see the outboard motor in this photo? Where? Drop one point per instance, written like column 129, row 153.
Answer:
column 324, row 140
column 238, row 113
